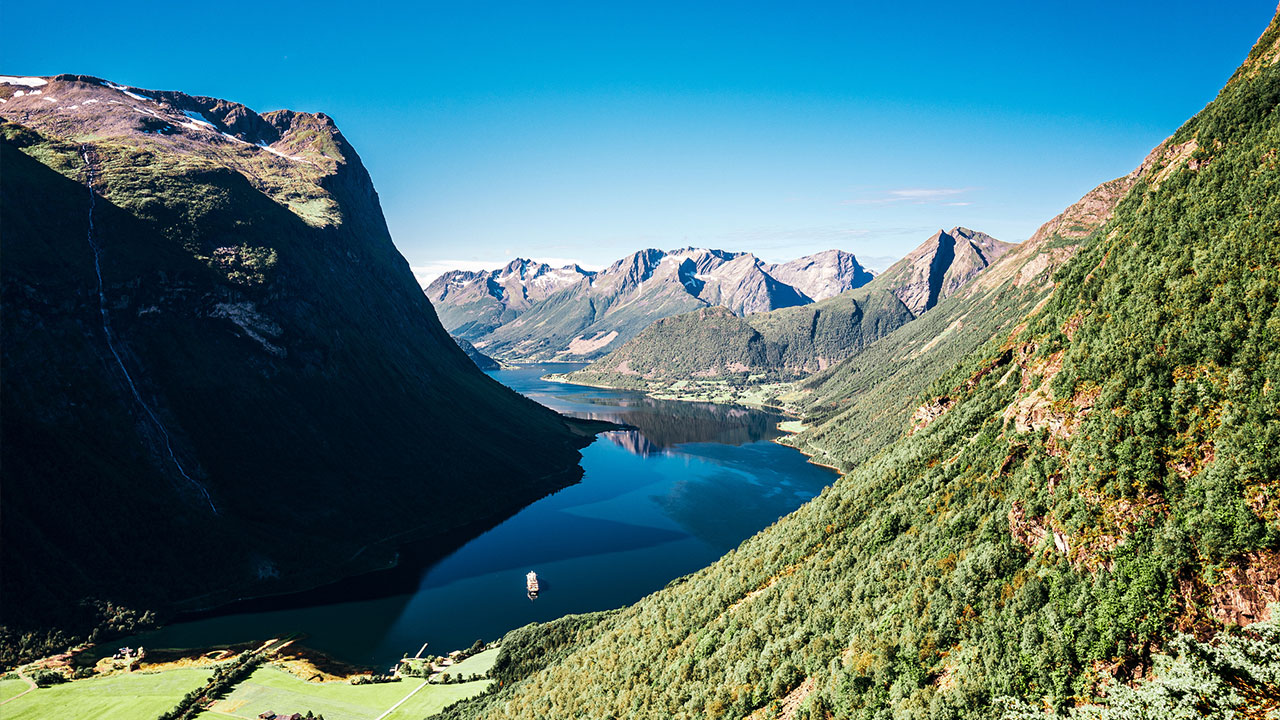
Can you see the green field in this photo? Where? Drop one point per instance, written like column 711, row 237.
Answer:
column 119, row 697
column 280, row 692
column 11, row 688
column 434, row 699
column 477, row 664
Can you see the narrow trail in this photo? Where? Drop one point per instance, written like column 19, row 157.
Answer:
column 111, row 342
column 31, row 686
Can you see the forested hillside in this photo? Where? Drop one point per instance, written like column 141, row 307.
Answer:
column 1074, row 494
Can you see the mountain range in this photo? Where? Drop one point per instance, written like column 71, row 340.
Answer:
column 528, row 311
column 216, row 367
column 795, row 342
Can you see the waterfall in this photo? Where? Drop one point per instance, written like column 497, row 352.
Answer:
column 111, row 342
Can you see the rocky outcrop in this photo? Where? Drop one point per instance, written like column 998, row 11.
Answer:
column 944, row 263
column 823, row 275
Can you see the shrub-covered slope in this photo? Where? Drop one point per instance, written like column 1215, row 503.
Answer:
column 1089, row 483
column 254, row 397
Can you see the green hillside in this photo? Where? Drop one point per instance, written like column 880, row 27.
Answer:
column 779, row 345
column 1080, row 488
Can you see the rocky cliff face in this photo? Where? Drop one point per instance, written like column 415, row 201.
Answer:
column 823, row 275
column 216, row 365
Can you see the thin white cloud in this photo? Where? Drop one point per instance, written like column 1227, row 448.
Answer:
column 912, row 196
column 433, row 269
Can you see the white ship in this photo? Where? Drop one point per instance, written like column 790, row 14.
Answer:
column 531, row 584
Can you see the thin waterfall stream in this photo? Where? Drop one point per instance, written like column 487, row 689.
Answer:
column 111, row 343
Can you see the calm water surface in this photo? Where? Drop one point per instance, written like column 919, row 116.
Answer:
column 690, row 483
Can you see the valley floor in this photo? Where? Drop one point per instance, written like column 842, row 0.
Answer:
column 769, row 395
column 150, row 692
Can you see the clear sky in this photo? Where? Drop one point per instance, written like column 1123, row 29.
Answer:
column 586, row 131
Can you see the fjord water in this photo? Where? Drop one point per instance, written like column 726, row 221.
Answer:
column 665, row 499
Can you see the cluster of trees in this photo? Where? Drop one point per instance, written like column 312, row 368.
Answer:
column 373, row 679
column 91, row 620
column 1148, row 469
column 45, row 677
column 225, row 677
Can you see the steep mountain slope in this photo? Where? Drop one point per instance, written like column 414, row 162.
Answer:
column 795, row 342
column 1079, row 489
column 472, row 304
column 603, row 310
column 217, row 368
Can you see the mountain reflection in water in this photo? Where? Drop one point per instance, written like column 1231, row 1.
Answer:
column 660, row 425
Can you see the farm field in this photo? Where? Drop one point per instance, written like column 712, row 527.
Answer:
column 270, row 689
column 117, row 697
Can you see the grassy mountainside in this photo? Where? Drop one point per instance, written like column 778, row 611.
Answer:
column 1092, row 482
column 258, row 377
column 482, row 361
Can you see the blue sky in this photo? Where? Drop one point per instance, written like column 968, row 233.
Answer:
column 586, row 131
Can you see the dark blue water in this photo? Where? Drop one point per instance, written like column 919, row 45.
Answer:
column 688, row 484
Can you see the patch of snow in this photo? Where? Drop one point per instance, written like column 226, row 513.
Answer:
column 233, row 137
column 90, row 102
column 24, row 81
column 46, row 97
column 124, row 90
column 274, row 151
column 3, row 101
column 199, row 118
column 704, row 278
column 35, row 92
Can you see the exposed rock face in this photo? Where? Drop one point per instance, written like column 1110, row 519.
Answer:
column 216, row 365
column 823, row 275
column 940, row 266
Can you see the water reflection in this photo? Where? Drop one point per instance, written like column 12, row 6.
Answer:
column 660, row 425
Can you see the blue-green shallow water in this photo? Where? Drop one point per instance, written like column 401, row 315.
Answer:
column 690, row 483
